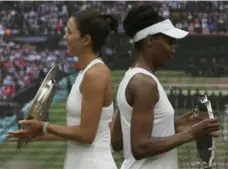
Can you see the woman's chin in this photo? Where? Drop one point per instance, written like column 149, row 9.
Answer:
column 68, row 52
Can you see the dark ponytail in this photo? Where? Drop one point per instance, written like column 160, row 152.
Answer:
column 112, row 22
column 96, row 25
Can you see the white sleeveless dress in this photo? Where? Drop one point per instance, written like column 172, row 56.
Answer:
column 97, row 155
column 163, row 126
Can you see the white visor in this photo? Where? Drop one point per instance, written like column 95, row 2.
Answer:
column 165, row 27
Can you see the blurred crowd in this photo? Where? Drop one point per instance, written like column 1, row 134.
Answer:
column 22, row 65
column 182, row 100
column 50, row 17
column 207, row 67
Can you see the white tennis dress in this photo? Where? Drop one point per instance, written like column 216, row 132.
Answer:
column 163, row 126
column 97, row 155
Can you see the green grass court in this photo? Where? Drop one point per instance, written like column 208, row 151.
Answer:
column 50, row 155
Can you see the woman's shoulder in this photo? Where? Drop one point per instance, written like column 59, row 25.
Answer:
column 99, row 70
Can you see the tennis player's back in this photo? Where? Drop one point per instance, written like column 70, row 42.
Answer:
column 163, row 126
column 97, row 155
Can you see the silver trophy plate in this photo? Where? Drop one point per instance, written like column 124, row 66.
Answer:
column 44, row 96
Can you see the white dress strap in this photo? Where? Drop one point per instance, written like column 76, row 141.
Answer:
column 93, row 62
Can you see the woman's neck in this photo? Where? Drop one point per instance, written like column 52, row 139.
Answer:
column 143, row 63
column 84, row 60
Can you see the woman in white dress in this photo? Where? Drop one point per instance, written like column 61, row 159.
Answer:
column 90, row 102
column 145, row 127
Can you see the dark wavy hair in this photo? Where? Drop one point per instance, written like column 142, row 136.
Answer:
column 96, row 25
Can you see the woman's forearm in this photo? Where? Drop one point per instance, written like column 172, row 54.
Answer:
column 74, row 133
column 48, row 137
column 116, row 134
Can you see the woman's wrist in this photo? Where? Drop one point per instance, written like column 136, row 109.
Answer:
column 44, row 126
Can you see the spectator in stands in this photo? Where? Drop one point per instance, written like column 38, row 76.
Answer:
column 188, row 102
column 195, row 96
column 221, row 102
column 172, row 97
column 180, row 99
